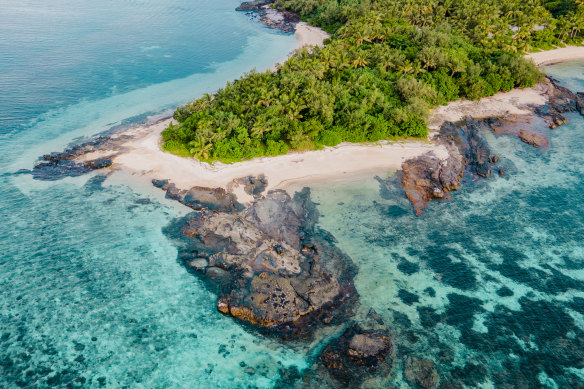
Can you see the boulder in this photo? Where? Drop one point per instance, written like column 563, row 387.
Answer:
column 421, row 372
column 357, row 354
column 533, row 139
column 99, row 163
column 198, row 197
column 272, row 268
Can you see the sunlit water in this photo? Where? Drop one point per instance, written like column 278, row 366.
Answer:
column 490, row 284
column 91, row 294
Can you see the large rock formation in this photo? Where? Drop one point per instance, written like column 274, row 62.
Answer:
column 269, row 263
column 428, row 176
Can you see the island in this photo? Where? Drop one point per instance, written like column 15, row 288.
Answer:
column 396, row 85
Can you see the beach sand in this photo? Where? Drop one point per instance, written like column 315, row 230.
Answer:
column 307, row 35
column 516, row 102
column 143, row 158
column 564, row 54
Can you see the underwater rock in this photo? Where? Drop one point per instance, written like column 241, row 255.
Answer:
column 357, row 354
column 272, row 267
column 533, row 139
column 421, row 372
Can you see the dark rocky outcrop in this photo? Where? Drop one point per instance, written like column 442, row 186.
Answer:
column 253, row 185
column 199, row 198
column 421, row 373
column 357, row 354
column 282, row 20
column 271, row 266
column 561, row 100
column 73, row 161
column 428, row 176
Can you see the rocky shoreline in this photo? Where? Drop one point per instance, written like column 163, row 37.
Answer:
column 429, row 177
column 267, row 14
column 276, row 272
column 269, row 263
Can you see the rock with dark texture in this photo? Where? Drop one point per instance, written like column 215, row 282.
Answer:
column 99, row 163
column 282, row 20
column 429, row 177
column 533, row 139
column 72, row 162
column 199, row 198
column 253, row 185
column 357, row 354
column 272, row 267
column 560, row 100
column 421, row 372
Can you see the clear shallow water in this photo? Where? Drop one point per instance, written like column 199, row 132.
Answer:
column 490, row 285
column 90, row 291
column 74, row 69
column 91, row 294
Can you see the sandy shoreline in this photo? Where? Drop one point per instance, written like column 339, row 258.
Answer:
column 143, row 158
column 563, row 54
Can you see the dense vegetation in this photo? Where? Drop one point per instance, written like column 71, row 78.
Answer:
column 386, row 64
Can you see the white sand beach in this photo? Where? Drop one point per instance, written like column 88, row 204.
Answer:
column 563, row 54
column 307, row 35
column 504, row 103
column 143, row 158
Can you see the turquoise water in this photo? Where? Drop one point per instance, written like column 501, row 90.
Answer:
column 488, row 284
column 73, row 69
column 91, row 294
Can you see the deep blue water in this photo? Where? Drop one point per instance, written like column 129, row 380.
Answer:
column 490, row 284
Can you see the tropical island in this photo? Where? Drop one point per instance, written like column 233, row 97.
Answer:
column 401, row 82
column 386, row 64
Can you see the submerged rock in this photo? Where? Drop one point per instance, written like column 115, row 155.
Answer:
column 357, row 354
column 421, row 372
column 533, row 139
column 272, row 267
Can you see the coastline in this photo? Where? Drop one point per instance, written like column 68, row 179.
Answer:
column 559, row 55
column 137, row 151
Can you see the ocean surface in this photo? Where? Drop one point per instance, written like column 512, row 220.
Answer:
column 489, row 284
